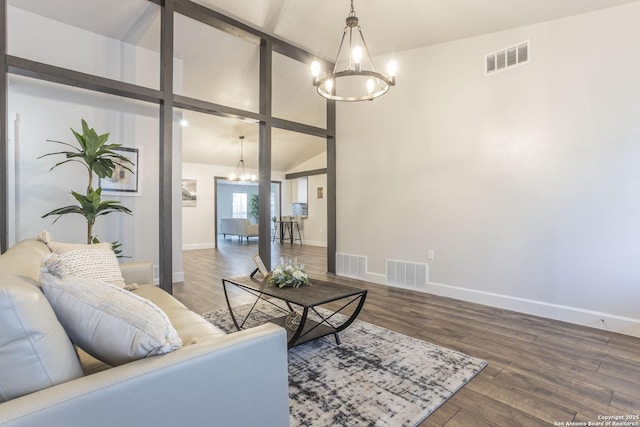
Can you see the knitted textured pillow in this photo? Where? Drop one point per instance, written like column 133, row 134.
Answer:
column 96, row 261
column 108, row 322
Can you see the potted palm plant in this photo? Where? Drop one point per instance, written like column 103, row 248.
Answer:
column 253, row 208
column 99, row 159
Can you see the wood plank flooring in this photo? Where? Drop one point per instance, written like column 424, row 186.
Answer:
column 540, row 371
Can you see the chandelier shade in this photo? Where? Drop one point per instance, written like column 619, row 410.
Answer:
column 354, row 76
column 240, row 175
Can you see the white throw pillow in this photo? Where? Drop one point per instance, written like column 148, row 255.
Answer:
column 108, row 322
column 35, row 352
column 96, row 261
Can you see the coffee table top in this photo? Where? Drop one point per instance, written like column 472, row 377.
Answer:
column 315, row 293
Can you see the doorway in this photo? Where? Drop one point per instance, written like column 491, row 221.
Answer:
column 240, row 200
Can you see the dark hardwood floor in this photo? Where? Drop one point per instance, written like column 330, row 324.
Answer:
column 540, row 371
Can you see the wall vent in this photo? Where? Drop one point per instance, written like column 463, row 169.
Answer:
column 351, row 265
column 507, row 58
column 410, row 275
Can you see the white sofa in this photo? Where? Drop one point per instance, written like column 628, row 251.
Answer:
column 239, row 379
column 240, row 227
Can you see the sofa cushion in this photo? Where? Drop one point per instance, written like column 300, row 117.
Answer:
column 108, row 322
column 95, row 261
column 35, row 352
column 24, row 259
column 238, row 227
column 190, row 326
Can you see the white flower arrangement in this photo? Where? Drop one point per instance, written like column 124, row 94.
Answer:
column 288, row 275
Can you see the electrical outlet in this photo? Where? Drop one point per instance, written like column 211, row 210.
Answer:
column 430, row 254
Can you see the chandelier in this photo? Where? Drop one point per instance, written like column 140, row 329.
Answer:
column 358, row 79
column 240, row 175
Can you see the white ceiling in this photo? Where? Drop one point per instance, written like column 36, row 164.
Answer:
column 315, row 25
column 392, row 26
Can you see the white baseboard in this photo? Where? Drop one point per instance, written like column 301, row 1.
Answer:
column 196, row 246
column 575, row 315
column 177, row 276
column 376, row 278
column 315, row 243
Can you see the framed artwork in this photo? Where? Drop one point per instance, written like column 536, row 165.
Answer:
column 189, row 196
column 261, row 268
column 124, row 182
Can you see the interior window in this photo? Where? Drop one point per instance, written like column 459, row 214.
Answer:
column 239, row 205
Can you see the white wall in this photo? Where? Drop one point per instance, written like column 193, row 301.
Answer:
column 525, row 184
column 42, row 111
column 314, row 227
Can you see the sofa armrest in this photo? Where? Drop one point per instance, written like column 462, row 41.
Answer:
column 137, row 272
column 240, row 379
column 252, row 230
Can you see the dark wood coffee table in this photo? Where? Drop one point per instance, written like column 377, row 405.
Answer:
column 300, row 328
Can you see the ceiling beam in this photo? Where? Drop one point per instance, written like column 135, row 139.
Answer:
column 193, row 104
column 244, row 31
column 300, row 127
column 65, row 76
column 306, row 173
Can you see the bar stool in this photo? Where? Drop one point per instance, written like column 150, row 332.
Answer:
column 295, row 224
column 286, row 227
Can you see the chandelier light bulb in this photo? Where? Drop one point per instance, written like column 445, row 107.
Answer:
column 315, row 69
column 392, row 68
column 329, row 85
column 371, row 85
column 356, row 54
column 232, row 177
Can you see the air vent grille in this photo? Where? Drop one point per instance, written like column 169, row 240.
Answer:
column 408, row 275
column 506, row 58
column 351, row 265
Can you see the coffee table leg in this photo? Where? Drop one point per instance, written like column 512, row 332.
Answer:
column 337, row 338
column 303, row 319
column 226, row 296
column 258, row 295
column 355, row 313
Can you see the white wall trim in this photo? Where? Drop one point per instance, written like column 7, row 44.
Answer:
column 196, row 246
column 579, row 316
column 315, row 243
column 178, row 276
column 377, row 278
column 12, row 166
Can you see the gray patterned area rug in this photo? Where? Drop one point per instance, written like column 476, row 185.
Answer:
column 376, row 377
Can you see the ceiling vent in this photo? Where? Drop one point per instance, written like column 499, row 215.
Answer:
column 507, row 58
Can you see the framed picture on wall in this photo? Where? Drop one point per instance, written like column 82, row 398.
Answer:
column 124, row 182
column 189, row 196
